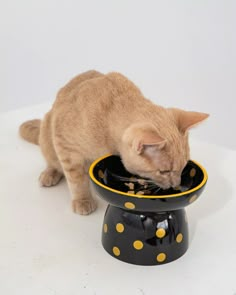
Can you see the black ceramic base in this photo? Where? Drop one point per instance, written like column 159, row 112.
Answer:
column 145, row 238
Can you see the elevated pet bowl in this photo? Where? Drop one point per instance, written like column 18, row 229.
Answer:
column 144, row 229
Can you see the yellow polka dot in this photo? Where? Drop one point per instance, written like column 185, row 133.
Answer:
column 160, row 233
column 129, row 205
column 192, row 199
column 161, row 257
column 100, row 174
column 192, row 172
column 116, row 251
column 179, row 238
column 105, row 228
column 138, row 245
column 120, row 227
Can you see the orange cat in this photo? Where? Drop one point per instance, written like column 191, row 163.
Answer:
column 95, row 114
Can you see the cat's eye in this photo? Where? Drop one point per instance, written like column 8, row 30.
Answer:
column 164, row 171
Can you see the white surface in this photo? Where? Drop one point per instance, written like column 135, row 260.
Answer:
column 46, row 249
column 181, row 53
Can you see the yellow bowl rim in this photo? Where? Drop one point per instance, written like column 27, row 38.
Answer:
column 145, row 196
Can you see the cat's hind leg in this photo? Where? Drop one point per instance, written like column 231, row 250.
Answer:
column 53, row 173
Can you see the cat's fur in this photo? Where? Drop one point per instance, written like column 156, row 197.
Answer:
column 95, row 114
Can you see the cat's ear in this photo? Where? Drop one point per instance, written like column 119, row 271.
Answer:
column 148, row 140
column 186, row 120
column 143, row 137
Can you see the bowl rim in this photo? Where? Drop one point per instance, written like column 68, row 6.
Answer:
column 93, row 178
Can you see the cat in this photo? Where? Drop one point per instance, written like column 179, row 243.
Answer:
column 95, row 114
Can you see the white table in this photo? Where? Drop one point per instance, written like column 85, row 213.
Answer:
column 46, row 249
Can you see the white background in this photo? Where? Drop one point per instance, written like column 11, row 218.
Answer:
column 180, row 53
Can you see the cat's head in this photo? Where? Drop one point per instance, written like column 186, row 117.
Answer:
column 160, row 155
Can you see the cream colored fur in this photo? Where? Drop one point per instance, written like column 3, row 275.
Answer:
column 95, row 114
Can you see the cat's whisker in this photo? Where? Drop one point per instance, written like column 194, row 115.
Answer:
column 149, row 181
column 156, row 191
column 152, row 186
column 125, row 179
column 132, row 179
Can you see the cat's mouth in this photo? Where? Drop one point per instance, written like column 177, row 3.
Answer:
column 168, row 183
column 163, row 186
column 134, row 184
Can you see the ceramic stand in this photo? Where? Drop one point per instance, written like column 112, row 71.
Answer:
column 145, row 238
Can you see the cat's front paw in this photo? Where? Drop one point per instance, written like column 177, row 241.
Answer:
column 50, row 177
column 84, row 207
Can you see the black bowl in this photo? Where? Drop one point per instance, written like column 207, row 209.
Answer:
column 111, row 183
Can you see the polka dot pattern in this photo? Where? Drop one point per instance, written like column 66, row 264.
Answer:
column 129, row 205
column 138, row 245
column 160, row 233
column 179, row 238
column 192, row 172
column 161, row 257
column 116, row 251
column 105, row 228
column 145, row 239
column 120, row 228
column 100, row 174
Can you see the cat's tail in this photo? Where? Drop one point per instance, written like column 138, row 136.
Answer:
column 29, row 130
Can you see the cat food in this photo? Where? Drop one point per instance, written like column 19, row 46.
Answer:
column 130, row 185
column 140, row 193
column 142, row 181
column 136, row 185
column 140, row 186
column 145, row 192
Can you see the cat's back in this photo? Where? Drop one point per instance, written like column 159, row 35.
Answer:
column 122, row 84
column 98, row 87
column 66, row 92
column 110, row 86
column 93, row 94
column 107, row 92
